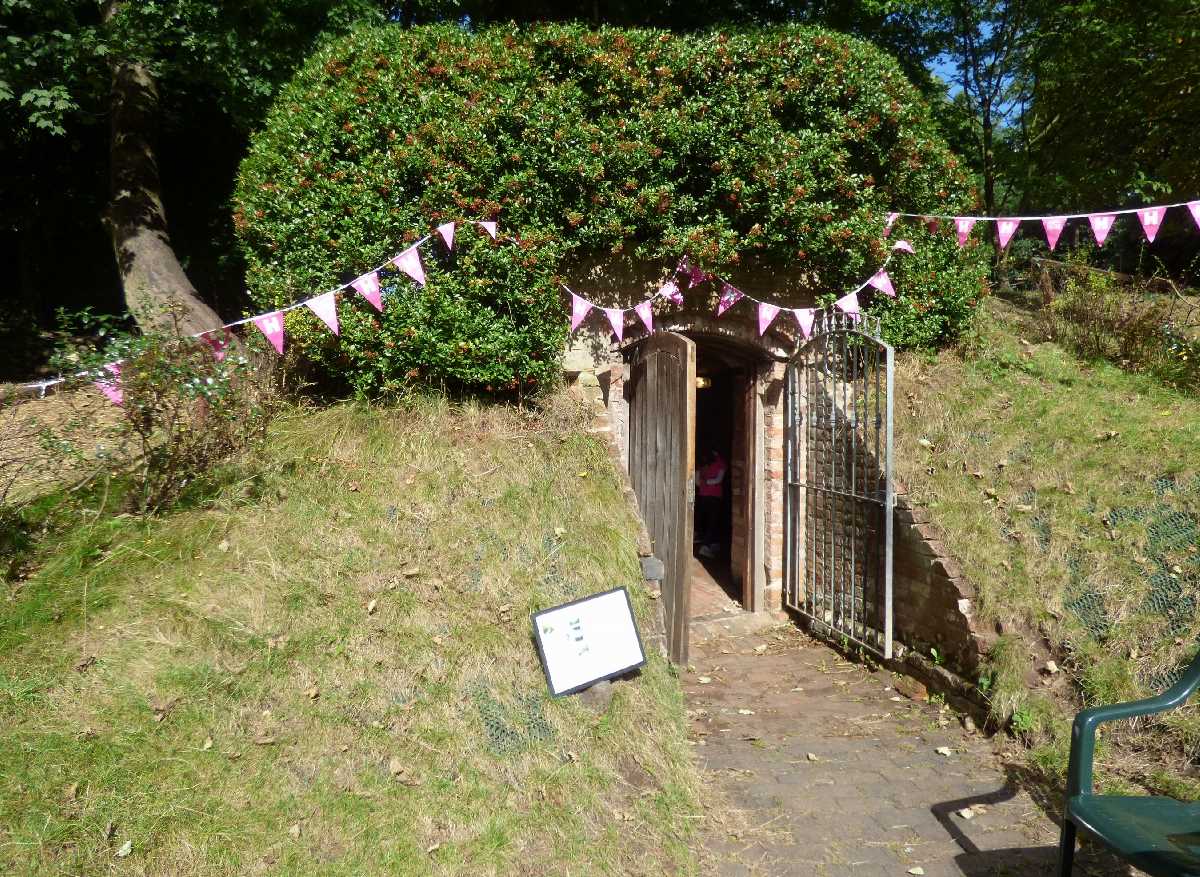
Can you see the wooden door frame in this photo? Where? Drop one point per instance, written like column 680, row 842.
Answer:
column 753, row 493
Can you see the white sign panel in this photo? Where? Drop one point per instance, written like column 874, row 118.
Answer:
column 588, row 640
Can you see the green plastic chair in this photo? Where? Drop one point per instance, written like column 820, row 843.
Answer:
column 1161, row 836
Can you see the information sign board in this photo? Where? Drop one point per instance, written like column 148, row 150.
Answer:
column 588, row 640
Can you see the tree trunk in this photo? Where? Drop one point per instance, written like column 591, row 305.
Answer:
column 157, row 291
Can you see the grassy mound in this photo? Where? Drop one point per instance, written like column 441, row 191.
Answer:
column 1070, row 492
column 328, row 667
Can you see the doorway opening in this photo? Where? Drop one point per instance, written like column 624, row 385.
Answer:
column 721, row 574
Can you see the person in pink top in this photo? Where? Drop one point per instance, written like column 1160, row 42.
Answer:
column 710, row 488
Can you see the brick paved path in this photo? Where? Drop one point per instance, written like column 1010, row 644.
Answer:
column 833, row 773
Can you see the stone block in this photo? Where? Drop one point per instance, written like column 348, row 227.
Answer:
column 653, row 569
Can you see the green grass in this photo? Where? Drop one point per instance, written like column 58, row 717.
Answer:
column 1069, row 491
column 326, row 667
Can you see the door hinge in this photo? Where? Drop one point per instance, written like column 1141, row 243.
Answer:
column 691, row 490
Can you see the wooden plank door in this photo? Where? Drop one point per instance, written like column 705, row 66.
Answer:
column 662, row 461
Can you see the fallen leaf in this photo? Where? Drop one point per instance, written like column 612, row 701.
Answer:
column 433, row 848
column 944, row 750
column 583, row 475
column 313, row 693
column 1022, row 507
column 223, row 545
column 72, row 792
column 812, row 756
column 371, row 607
column 925, row 443
column 760, row 648
column 1051, row 667
column 704, row 680
column 966, row 813
column 395, row 766
column 207, row 744
column 560, row 532
column 109, row 830
column 411, row 571
column 916, row 871
column 125, row 850
column 85, row 663
column 264, row 740
column 354, row 488
column 294, row 831
column 745, row 712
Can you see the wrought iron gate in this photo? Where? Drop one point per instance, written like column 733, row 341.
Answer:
column 838, row 501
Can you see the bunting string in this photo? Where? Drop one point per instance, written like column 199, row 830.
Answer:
column 690, row 274
column 1101, row 222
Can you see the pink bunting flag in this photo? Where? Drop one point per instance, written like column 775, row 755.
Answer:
column 848, row 304
column 112, row 389
column 1194, row 207
column 1101, row 223
column 368, row 288
column 903, row 247
column 644, row 311
column 446, row 230
column 963, row 226
column 271, row 325
column 219, row 345
column 883, row 283
column 616, row 319
column 489, row 227
column 580, row 308
column 1151, row 219
column 891, row 221
column 805, row 317
column 325, row 307
column 730, row 295
column 766, row 314
column 684, row 271
column 1005, row 228
column 1054, row 226
column 670, row 290
column 410, row 263
column 697, row 276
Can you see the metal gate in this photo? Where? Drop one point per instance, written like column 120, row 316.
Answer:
column 662, row 451
column 838, row 501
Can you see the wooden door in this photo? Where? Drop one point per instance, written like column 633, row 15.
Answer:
column 662, row 460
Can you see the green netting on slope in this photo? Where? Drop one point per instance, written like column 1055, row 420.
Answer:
column 510, row 728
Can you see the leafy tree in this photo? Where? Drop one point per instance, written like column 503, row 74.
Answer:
column 67, row 66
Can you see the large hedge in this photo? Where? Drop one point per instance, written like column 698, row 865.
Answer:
column 783, row 146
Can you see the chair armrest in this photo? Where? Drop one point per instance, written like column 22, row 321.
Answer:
column 1083, row 731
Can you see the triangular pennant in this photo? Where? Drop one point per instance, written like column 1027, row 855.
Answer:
column 1005, row 228
column 1151, row 219
column 616, row 319
column 891, row 221
column 219, row 345
column 963, row 226
column 644, row 311
column 580, row 308
column 325, row 307
column 932, row 223
column 368, row 288
column 1054, row 226
column 1101, row 223
column 696, row 276
column 489, row 227
column 805, row 317
column 446, row 230
column 1194, row 207
column 903, row 247
column 670, row 290
column 410, row 263
column 766, row 314
column 883, row 283
column 730, row 295
column 271, row 325
column 848, row 304
column 112, row 389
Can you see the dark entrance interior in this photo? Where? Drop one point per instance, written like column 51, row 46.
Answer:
column 724, row 379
